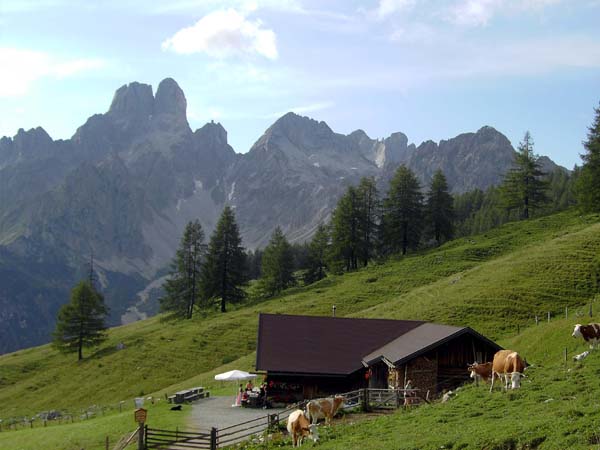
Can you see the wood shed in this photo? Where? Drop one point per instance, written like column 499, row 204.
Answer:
column 305, row 357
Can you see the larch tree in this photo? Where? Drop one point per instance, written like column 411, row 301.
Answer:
column 403, row 212
column 81, row 322
column 524, row 187
column 588, row 184
column 368, row 218
column 182, row 287
column 318, row 250
column 225, row 272
column 345, row 230
column 277, row 264
column 439, row 209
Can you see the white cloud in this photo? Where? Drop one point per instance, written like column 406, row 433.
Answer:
column 386, row 8
column 179, row 6
column 21, row 68
column 480, row 12
column 222, row 34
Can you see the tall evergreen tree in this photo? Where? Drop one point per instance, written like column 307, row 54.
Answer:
column 588, row 184
column 80, row 322
column 182, row 288
column 345, row 229
column 225, row 271
column 403, row 212
column 317, row 256
column 524, row 188
column 368, row 218
column 439, row 209
column 277, row 264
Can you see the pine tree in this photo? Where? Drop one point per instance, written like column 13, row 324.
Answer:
column 182, row 288
column 439, row 209
column 524, row 188
column 225, row 271
column 368, row 218
column 345, row 229
column 80, row 322
column 317, row 256
column 277, row 264
column 403, row 212
column 588, row 184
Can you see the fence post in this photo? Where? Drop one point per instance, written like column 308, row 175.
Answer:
column 365, row 404
column 566, row 312
column 141, row 436
column 537, row 320
column 591, row 310
column 548, row 316
column 565, row 356
column 107, row 443
column 213, row 438
column 397, row 398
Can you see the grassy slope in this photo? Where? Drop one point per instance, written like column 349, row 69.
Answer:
column 558, row 407
column 489, row 282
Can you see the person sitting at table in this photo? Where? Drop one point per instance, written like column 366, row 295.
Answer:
column 249, row 386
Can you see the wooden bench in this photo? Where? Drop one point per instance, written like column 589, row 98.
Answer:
column 188, row 395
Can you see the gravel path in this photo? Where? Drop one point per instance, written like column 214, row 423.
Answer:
column 218, row 412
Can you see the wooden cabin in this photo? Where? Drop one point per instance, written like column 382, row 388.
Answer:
column 306, row 357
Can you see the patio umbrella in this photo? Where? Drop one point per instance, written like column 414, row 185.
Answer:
column 234, row 375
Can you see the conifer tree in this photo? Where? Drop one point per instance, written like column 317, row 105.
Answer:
column 439, row 209
column 588, row 184
column 345, row 229
column 277, row 264
column 182, row 288
column 80, row 322
column 403, row 212
column 225, row 271
column 524, row 188
column 317, row 255
column 368, row 218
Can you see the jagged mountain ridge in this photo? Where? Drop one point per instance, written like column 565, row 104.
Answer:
column 128, row 180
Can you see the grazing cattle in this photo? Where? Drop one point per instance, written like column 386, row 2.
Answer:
column 480, row 371
column 590, row 333
column 323, row 408
column 508, row 363
column 299, row 427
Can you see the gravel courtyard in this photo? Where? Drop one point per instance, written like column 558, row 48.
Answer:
column 218, row 412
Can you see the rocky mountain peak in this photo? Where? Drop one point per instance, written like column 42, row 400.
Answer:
column 212, row 132
column 133, row 99
column 170, row 99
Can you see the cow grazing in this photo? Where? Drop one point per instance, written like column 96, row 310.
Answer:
column 508, row 363
column 299, row 428
column 590, row 333
column 480, row 371
column 323, row 408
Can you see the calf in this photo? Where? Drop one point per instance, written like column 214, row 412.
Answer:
column 323, row 408
column 508, row 363
column 480, row 371
column 299, row 427
column 590, row 333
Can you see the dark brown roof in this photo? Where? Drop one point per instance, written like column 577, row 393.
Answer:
column 413, row 342
column 322, row 345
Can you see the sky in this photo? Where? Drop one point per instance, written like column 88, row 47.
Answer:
column 431, row 69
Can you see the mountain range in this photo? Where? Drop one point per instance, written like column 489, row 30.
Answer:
column 126, row 183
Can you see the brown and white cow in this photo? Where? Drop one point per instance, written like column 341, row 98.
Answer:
column 590, row 333
column 508, row 363
column 299, row 428
column 480, row 371
column 323, row 408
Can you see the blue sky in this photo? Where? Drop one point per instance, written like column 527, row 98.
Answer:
column 429, row 68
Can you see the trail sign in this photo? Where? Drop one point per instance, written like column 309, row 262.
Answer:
column 140, row 415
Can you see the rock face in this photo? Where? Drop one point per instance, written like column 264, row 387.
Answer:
column 128, row 181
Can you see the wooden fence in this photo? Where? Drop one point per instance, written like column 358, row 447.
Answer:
column 365, row 399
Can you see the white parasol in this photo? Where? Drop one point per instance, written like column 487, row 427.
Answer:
column 234, row 375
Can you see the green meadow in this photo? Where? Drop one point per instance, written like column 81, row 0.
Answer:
column 495, row 283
